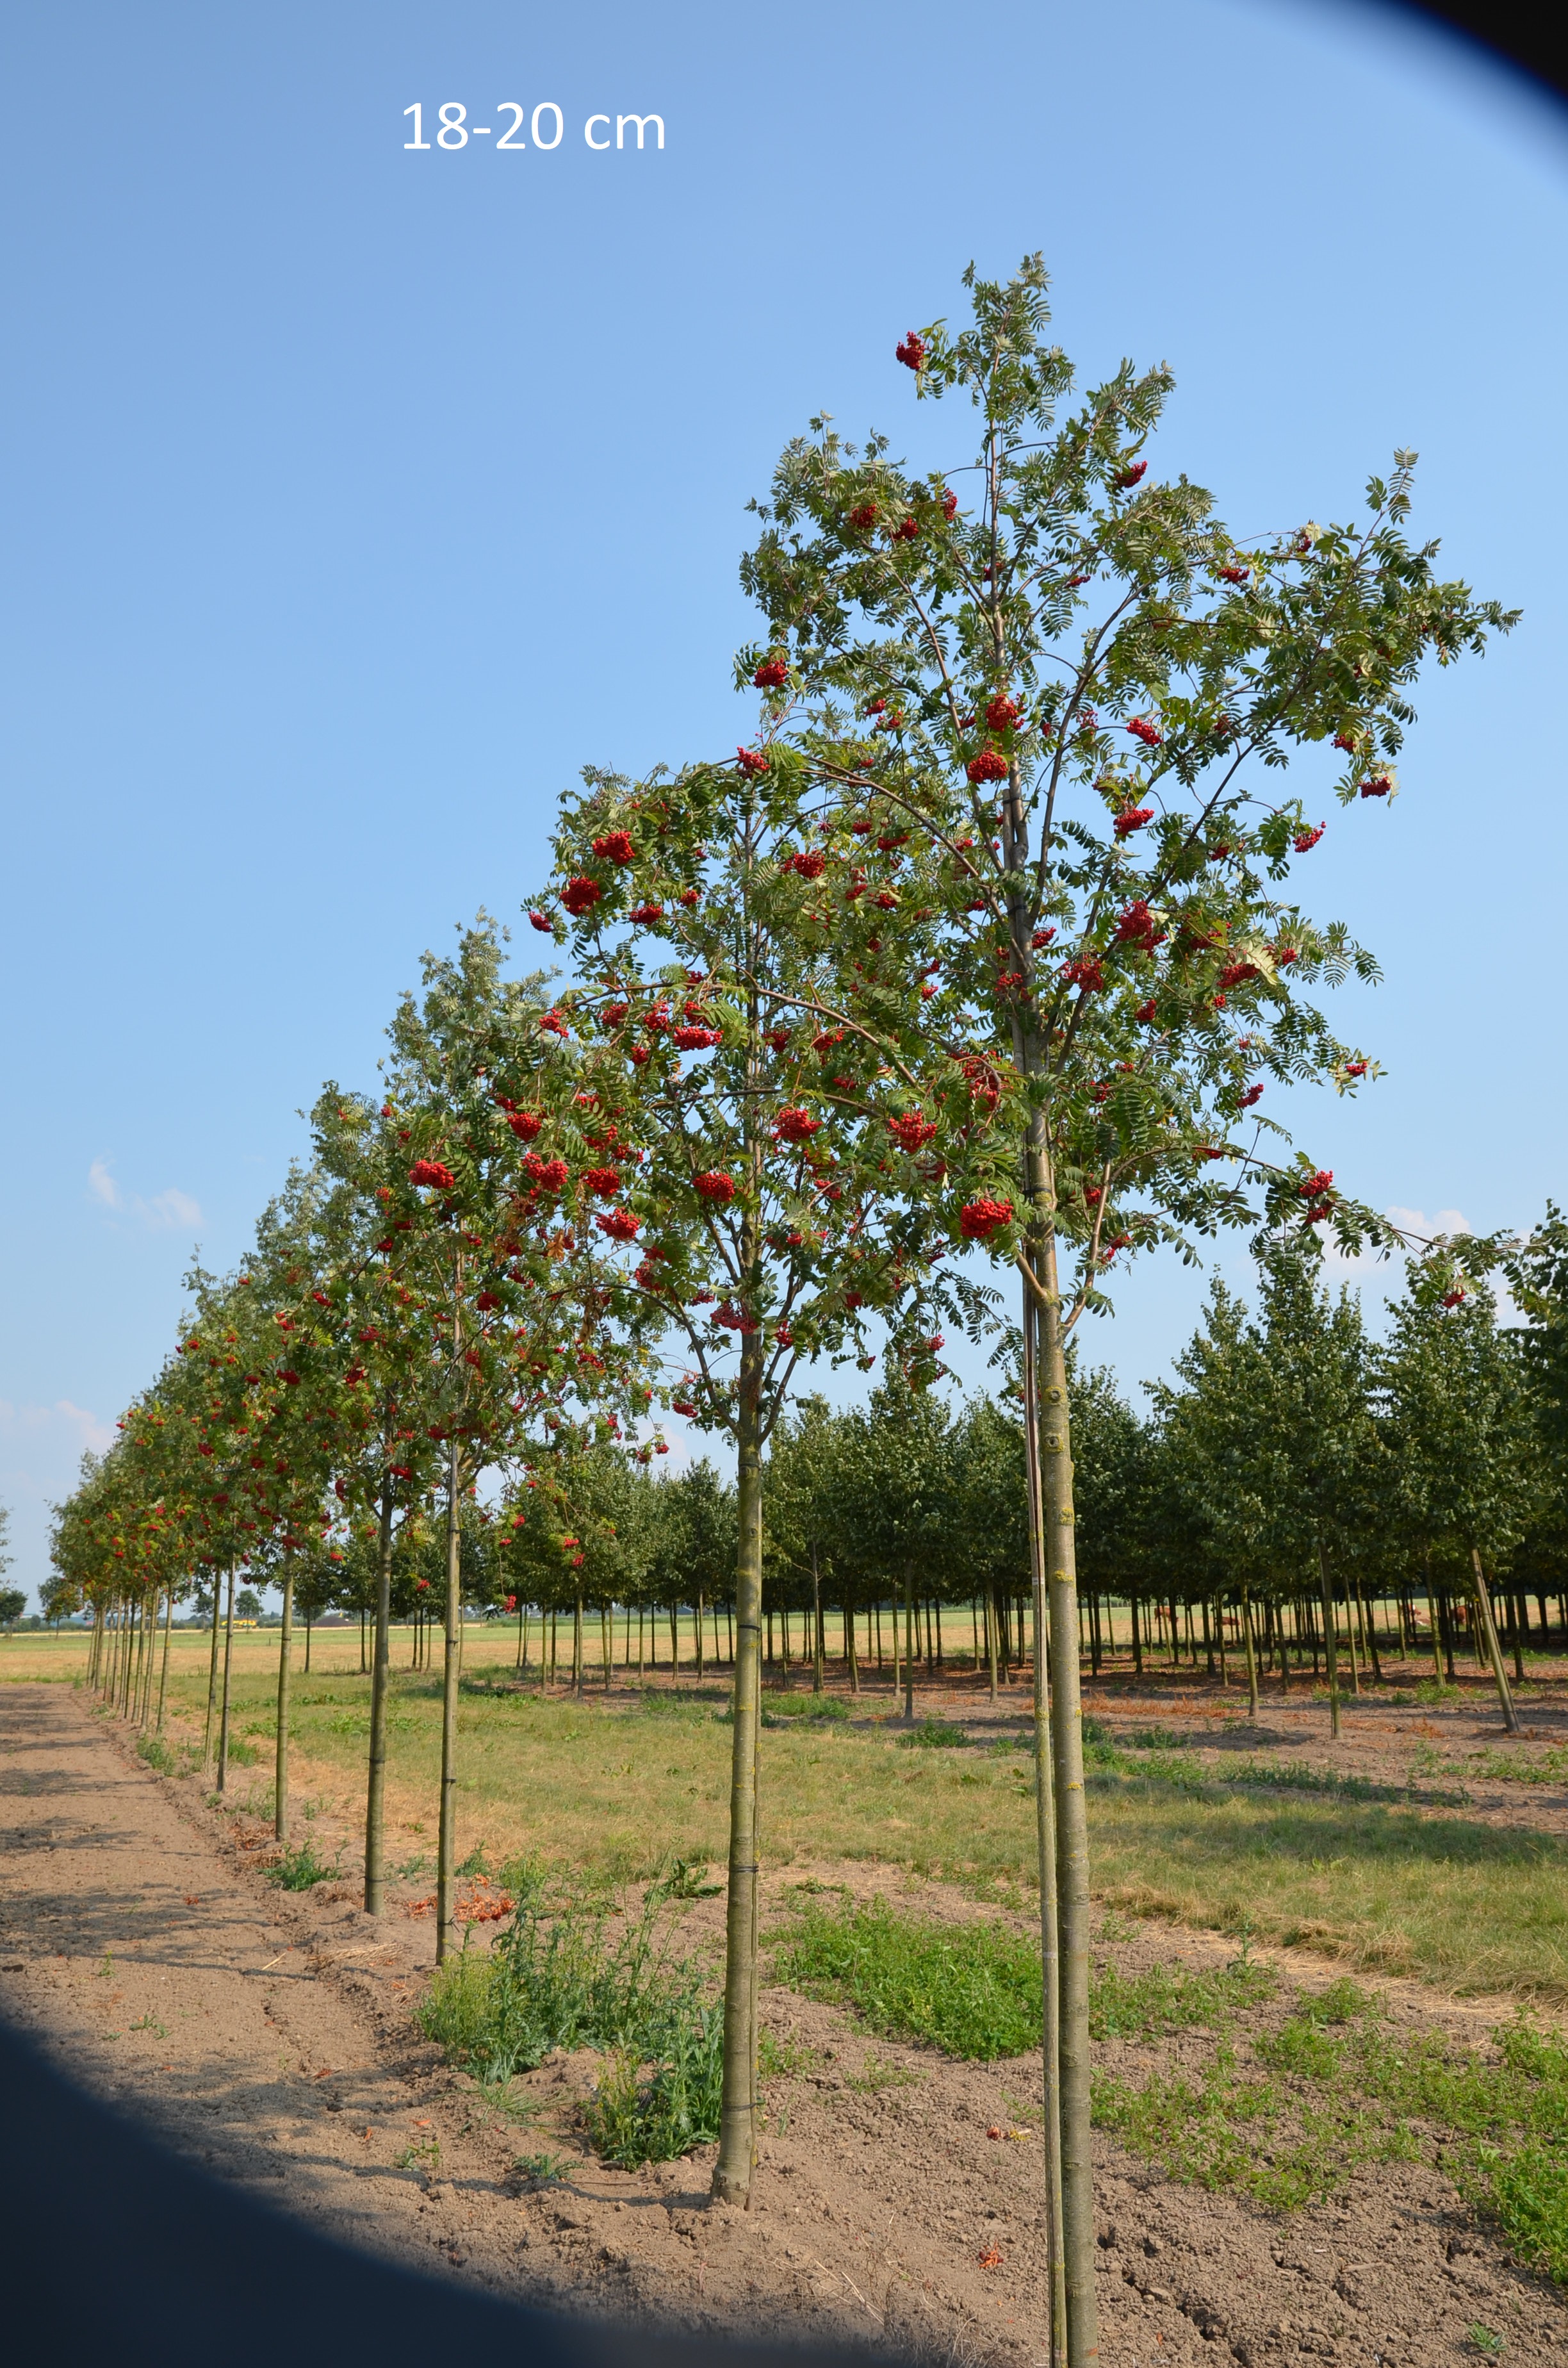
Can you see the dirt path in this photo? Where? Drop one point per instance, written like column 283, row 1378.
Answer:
column 270, row 2037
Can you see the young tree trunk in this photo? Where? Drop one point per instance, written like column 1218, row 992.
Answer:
column 989, row 1606
column 1488, row 1627
column 816, row 1623
column 228, row 1656
column 381, row 1666
column 281, row 1746
column 1330, row 1641
column 1045, row 1847
column 1071, row 1823
column 211, row 1675
column 910, row 1643
column 446, row 1813
column 1137, row 1641
column 163, row 1670
column 737, row 2125
column 849, row 1646
column 1252, row 1655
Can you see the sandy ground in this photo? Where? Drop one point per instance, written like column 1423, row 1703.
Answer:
column 270, row 2037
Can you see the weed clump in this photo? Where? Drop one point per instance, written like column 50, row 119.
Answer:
column 974, row 1990
column 558, row 1979
column 300, row 1869
column 934, row 1734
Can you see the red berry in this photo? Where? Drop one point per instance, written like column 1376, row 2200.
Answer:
column 989, row 766
column 1132, row 818
column 647, row 915
column 1234, row 575
column 1130, row 475
column 1002, row 713
column 912, row 352
column 431, row 1171
column 949, row 505
column 1141, row 729
column 795, row 1125
column 615, row 846
column 772, row 674
column 1305, row 840
column 1378, row 786
column 580, row 896
column 863, row 517
column 906, row 530
column 540, row 922
column 751, row 760
column 620, row 1225
column 714, row 1185
column 978, row 1219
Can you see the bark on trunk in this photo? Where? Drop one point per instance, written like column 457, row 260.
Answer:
column 1045, row 1846
column 228, row 1659
column 212, row 1672
column 1330, row 1641
column 376, row 1774
column 1072, row 1827
column 447, row 1818
column 285, row 1671
column 1494, row 1650
column 737, row 2125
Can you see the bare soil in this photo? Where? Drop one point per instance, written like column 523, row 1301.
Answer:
column 270, row 2036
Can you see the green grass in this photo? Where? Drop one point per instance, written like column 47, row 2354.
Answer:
column 971, row 1989
column 935, row 1734
column 557, row 1977
column 300, row 1869
column 620, row 1791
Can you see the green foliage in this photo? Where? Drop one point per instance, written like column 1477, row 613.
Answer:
column 973, row 1990
column 556, row 1979
column 934, row 1734
column 823, row 1709
column 157, row 1754
column 300, row 1867
column 1140, row 2006
column 635, row 2116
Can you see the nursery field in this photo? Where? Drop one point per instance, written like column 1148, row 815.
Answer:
column 1376, row 2160
column 1416, row 1845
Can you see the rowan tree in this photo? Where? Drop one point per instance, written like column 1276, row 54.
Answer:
column 1048, row 702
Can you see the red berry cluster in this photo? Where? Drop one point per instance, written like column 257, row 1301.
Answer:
column 795, row 1125
column 1132, row 818
column 1141, row 729
column 978, row 1219
column 712, row 1184
column 1130, row 475
column 580, row 896
column 911, row 1131
column 810, row 864
column 912, row 352
column 619, row 1224
column 434, row 1172
column 751, row 760
column 615, row 846
column 772, row 674
column 989, row 766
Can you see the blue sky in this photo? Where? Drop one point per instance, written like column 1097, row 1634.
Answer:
column 354, row 497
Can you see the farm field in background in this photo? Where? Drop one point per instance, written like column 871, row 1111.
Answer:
column 1417, row 1845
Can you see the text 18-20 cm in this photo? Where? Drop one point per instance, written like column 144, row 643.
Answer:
column 546, row 128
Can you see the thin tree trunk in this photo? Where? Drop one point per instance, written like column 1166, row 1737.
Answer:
column 910, row 1645
column 164, row 1672
column 737, row 2126
column 1494, row 1651
column 228, row 1657
column 285, row 1671
column 1045, row 1849
column 1072, row 1825
column 211, row 1676
column 850, row 1645
column 1330, row 1641
column 1137, row 1642
column 376, row 1774
column 816, row 1623
column 1252, row 1655
column 577, row 1642
column 447, row 1811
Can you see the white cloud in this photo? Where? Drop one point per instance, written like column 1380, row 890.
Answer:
column 175, row 1208
column 102, row 1186
column 165, row 1213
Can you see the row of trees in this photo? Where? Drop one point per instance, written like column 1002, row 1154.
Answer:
column 983, row 943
